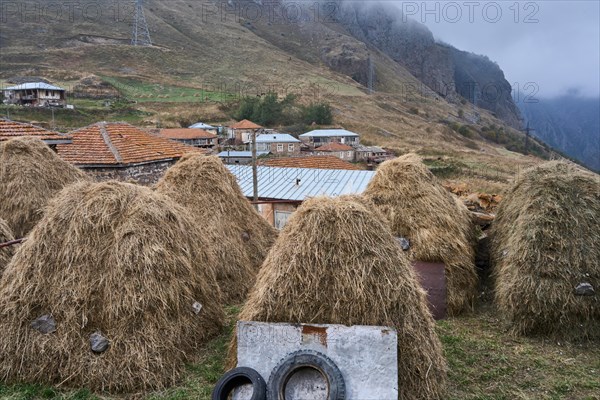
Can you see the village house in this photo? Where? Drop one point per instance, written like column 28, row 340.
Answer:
column 239, row 157
column 117, row 150
column 241, row 132
column 320, row 137
column 191, row 136
column 280, row 144
column 339, row 150
column 370, row 153
column 319, row 162
column 11, row 129
column 282, row 190
column 35, row 94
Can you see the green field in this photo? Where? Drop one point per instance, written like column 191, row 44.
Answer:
column 147, row 92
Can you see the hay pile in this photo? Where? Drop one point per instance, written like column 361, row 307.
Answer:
column 337, row 263
column 7, row 252
column 30, row 175
column 437, row 225
column 240, row 236
column 544, row 244
column 113, row 258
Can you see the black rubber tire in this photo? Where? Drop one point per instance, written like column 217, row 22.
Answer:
column 238, row 377
column 306, row 359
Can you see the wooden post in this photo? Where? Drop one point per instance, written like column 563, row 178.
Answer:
column 254, row 171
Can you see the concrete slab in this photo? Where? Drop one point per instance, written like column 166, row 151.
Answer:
column 367, row 357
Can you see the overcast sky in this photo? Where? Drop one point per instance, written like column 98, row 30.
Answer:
column 554, row 43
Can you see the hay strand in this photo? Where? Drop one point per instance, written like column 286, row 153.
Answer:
column 336, row 262
column 6, row 253
column 544, row 244
column 240, row 236
column 30, row 175
column 113, row 258
column 438, row 226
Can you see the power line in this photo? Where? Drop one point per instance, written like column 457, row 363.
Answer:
column 140, row 35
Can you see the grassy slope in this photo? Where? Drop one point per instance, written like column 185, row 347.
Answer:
column 485, row 364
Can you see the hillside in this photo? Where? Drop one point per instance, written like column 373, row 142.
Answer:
column 205, row 57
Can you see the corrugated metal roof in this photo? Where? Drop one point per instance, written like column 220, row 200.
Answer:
column 240, row 154
column 280, row 183
column 328, row 133
column 276, row 138
column 201, row 125
column 34, row 85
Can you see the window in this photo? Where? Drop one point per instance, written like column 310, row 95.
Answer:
column 290, row 147
column 279, row 147
column 349, row 154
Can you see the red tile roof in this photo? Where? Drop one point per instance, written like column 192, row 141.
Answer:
column 119, row 143
column 318, row 162
column 334, row 147
column 186, row 134
column 245, row 124
column 11, row 129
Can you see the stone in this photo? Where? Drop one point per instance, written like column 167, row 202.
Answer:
column 404, row 243
column 584, row 289
column 197, row 307
column 98, row 342
column 44, row 324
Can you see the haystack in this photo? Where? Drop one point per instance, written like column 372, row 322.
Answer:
column 114, row 259
column 240, row 236
column 336, row 262
column 30, row 175
column 437, row 226
column 6, row 253
column 546, row 253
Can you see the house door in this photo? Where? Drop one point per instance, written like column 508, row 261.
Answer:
column 281, row 218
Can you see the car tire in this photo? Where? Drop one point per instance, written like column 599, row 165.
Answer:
column 239, row 377
column 306, row 359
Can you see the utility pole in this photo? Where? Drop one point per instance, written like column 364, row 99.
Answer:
column 140, row 35
column 527, row 131
column 254, row 171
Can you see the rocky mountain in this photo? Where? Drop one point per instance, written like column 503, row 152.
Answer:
column 444, row 69
column 568, row 123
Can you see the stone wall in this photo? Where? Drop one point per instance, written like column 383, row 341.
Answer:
column 144, row 174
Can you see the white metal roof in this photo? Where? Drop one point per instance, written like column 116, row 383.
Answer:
column 34, row 85
column 328, row 133
column 240, row 154
column 281, row 183
column 201, row 125
column 276, row 138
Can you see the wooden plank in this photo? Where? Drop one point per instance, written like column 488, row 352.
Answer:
column 432, row 277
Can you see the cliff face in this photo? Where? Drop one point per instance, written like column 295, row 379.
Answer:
column 444, row 69
column 568, row 123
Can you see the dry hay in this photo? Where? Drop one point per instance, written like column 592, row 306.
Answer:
column 240, row 236
column 7, row 252
column 30, row 175
column 544, row 244
column 118, row 259
column 436, row 223
column 336, row 262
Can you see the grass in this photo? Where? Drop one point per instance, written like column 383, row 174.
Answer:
column 142, row 92
column 485, row 364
